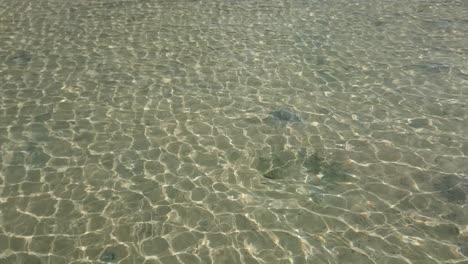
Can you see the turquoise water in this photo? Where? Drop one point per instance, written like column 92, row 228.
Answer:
column 144, row 131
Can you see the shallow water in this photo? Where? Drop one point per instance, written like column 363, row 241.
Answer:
column 233, row 131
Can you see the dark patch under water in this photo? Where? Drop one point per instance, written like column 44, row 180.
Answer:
column 284, row 115
column 313, row 163
column 334, row 172
column 452, row 188
column 20, row 57
column 419, row 123
column 107, row 257
column 429, row 67
column 283, row 165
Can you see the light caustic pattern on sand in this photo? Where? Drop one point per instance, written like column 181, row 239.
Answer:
column 243, row 131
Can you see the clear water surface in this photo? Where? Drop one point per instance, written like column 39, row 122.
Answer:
column 233, row 131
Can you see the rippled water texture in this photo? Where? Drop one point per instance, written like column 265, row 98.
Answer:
column 233, row 131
